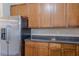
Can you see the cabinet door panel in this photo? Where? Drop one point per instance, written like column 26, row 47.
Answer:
column 23, row 10
column 58, row 15
column 55, row 45
column 73, row 14
column 44, row 15
column 52, row 12
column 34, row 15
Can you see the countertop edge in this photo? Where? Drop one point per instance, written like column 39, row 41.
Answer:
column 52, row 41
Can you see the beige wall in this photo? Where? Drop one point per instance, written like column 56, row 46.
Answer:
column 5, row 8
column 1, row 9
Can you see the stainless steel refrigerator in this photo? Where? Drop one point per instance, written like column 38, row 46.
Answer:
column 10, row 36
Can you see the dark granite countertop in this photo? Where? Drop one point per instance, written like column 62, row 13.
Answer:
column 55, row 39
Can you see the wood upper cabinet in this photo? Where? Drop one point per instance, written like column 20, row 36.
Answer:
column 68, row 49
column 44, row 15
column 57, row 16
column 73, row 14
column 55, row 49
column 14, row 10
column 19, row 10
column 34, row 15
column 23, row 10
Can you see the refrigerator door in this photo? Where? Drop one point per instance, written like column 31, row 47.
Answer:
column 3, row 43
column 10, row 42
column 13, row 39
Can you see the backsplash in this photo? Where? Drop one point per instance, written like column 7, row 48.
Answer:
column 56, row 32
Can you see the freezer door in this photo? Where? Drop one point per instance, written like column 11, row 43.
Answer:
column 3, row 41
column 10, row 38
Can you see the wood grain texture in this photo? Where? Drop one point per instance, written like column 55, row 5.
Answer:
column 19, row 10
column 68, row 49
column 34, row 15
column 69, row 52
column 68, row 46
column 77, row 50
column 36, row 49
column 44, row 15
column 55, row 49
column 14, row 10
column 58, row 15
column 73, row 14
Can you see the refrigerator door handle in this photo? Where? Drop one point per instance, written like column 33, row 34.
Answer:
column 3, row 34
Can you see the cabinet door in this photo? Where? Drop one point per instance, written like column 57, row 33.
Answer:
column 69, row 52
column 68, row 49
column 14, row 10
column 23, row 10
column 42, row 49
column 19, row 10
column 34, row 15
column 55, row 49
column 73, row 14
column 58, row 15
column 36, row 49
column 44, row 15
column 31, row 49
column 28, row 49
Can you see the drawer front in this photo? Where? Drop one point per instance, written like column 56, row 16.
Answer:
column 54, row 45
column 39, row 44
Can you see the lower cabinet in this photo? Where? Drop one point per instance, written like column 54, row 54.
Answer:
column 50, row 49
column 55, row 49
column 68, row 49
column 36, row 49
column 77, row 50
column 68, row 52
column 29, row 49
